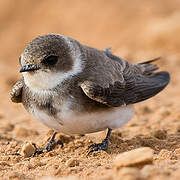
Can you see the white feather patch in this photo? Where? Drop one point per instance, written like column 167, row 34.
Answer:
column 69, row 122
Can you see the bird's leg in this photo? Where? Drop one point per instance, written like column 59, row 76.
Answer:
column 50, row 145
column 101, row 146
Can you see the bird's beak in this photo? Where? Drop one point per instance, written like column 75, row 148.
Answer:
column 30, row 67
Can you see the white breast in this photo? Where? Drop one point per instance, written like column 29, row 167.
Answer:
column 72, row 123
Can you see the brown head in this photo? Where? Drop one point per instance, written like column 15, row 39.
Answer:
column 48, row 60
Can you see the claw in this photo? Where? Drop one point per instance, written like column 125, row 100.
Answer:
column 92, row 146
column 49, row 146
column 99, row 147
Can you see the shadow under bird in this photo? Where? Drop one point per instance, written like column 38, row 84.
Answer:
column 76, row 89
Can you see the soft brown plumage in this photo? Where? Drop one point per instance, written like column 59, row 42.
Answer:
column 77, row 89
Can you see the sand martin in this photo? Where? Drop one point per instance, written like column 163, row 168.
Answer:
column 76, row 89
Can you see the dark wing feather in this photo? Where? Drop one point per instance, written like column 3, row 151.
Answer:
column 134, row 89
column 140, row 82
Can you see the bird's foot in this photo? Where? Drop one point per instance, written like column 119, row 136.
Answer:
column 99, row 146
column 49, row 146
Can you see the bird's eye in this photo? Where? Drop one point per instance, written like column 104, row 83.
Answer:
column 50, row 60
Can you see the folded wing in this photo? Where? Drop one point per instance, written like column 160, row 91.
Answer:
column 140, row 83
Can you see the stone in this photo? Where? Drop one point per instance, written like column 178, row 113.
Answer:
column 72, row 162
column 28, row 149
column 134, row 157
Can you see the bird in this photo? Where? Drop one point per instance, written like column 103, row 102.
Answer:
column 76, row 89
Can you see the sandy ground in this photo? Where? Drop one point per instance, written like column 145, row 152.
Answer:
column 136, row 31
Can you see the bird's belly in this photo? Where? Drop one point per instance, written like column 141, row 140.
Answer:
column 73, row 123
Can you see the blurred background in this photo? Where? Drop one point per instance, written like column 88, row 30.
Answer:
column 136, row 30
column 130, row 27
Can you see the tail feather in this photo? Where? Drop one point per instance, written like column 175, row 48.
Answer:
column 150, row 61
column 147, row 67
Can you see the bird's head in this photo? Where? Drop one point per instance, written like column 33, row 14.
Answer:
column 48, row 60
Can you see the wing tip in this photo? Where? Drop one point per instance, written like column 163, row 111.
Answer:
column 164, row 76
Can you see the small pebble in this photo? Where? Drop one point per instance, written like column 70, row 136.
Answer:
column 165, row 154
column 138, row 156
column 72, row 162
column 28, row 149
